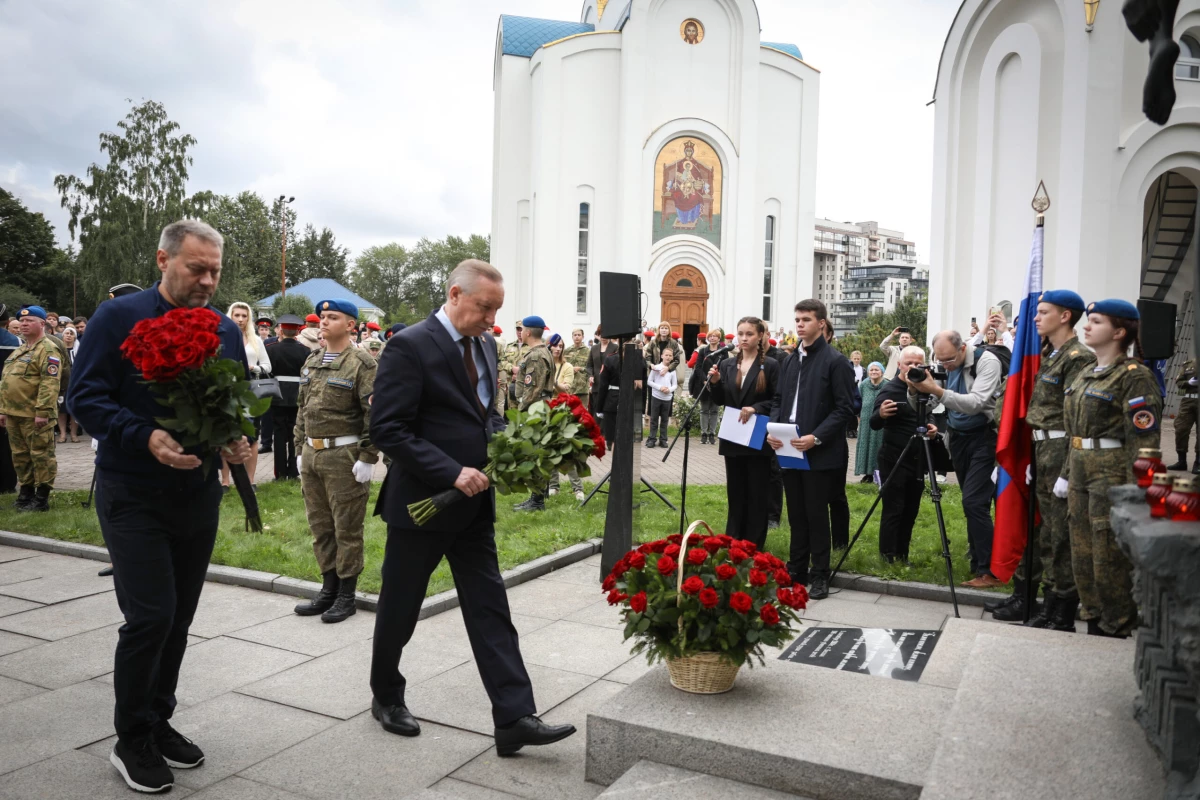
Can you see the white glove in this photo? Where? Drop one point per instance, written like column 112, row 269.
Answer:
column 363, row 471
column 1060, row 488
column 297, row 463
column 1028, row 474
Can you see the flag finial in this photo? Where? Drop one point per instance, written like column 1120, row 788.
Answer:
column 1041, row 201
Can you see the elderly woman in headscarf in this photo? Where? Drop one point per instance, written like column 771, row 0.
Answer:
column 867, row 452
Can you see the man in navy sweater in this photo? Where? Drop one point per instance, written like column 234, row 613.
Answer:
column 158, row 511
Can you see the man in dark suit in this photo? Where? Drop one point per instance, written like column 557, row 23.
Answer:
column 433, row 415
column 816, row 393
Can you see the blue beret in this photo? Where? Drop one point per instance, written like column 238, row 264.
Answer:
column 554, row 339
column 399, row 326
column 344, row 306
column 1114, row 308
column 32, row 311
column 1063, row 298
column 533, row 321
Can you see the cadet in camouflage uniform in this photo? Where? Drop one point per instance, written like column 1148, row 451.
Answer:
column 337, row 459
column 1109, row 412
column 577, row 356
column 1187, row 417
column 535, row 381
column 29, row 390
column 1057, row 314
column 514, row 354
column 502, row 373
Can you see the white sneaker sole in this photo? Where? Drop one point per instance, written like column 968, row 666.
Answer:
column 137, row 787
column 181, row 765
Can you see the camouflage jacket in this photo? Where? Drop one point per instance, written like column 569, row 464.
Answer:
column 653, row 351
column 1187, row 374
column 335, row 399
column 1056, row 374
column 536, row 376
column 577, row 357
column 514, row 354
column 1120, row 401
column 30, row 382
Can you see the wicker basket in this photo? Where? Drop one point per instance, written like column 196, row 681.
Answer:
column 702, row 673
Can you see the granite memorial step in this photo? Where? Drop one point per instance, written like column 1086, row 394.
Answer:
column 647, row 780
column 1043, row 720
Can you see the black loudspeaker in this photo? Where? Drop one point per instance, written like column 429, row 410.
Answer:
column 1157, row 328
column 620, row 304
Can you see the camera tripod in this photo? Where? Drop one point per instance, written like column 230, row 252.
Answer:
column 935, row 493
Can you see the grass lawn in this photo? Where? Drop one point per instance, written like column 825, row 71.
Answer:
column 286, row 547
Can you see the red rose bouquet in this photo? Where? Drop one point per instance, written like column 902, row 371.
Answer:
column 686, row 595
column 178, row 354
column 555, row 435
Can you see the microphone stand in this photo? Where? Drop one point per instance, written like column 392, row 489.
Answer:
column 686, row 433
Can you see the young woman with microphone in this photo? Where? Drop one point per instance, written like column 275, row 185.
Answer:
column 748, row 383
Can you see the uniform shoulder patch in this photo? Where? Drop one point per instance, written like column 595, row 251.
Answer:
column 52, row 369
column 1144, row 420
column 528, row 378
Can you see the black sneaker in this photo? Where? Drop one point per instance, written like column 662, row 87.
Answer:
column 142, row 766
column 179, row 751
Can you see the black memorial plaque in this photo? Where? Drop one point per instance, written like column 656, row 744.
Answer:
column 885, row 652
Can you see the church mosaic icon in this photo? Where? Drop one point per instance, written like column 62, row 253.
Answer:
column 687, row 198
column 691, row 31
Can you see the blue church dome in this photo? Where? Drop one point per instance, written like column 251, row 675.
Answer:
column 524, row 35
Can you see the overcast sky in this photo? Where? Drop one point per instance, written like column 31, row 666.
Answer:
column 377, row 114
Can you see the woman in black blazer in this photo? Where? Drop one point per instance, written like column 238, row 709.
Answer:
column 747, row 382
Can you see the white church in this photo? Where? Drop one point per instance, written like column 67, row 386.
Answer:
column 656, row 137
column 1051, row 90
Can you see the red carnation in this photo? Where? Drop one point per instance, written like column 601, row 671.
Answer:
column 697, row 555
column 693, row 585
column 726, row 571
column 666, row 565
column 637, row 560
column 769, row 614
column 782, row 577
column 671, row 550
column 762, row 561
column 738, row 555
column 740, row 602
column 609, row 584
column 758, row 578
column 616, row 596
column 638, row 602
column 712, row 544
column 709, row 597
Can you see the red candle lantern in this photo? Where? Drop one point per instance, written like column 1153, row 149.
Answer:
column 1156, row 495
column 1148, row 464
column 1183, row 503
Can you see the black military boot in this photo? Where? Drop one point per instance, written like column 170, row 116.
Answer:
column 324, row 600
column 651, row 442
column 536, row 502
column 40, row 501
column 1043, row 618
column 1015, row 611
column 1064, row 613
column 993, row 605
column 344, row 605
column 1181, row 464
column 24, row 498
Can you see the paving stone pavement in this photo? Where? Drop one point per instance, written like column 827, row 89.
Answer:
column 281, row 704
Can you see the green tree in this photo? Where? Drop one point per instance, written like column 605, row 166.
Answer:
column 910, row 312
column 15, row 296
column 250, row 263
column 118, row 210
column 26, row 244
column 379, row 275
column 429, row 266
column 290, row 303
column 316, row 255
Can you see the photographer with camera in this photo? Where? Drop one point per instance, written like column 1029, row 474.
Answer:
column 893, row 352
column 901, row 496
column 972, row 385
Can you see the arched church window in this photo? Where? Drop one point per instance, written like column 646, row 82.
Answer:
column 581, row 279
column 1188, row 65
column 684, row 283
column 768, row 266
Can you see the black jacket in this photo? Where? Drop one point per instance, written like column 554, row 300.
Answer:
column 726, row 392
column 704, row 362
column 608, row 383
column 426, row 417
column 826, row 403
column 898, row 430
column 595, row 360
column 287, row 359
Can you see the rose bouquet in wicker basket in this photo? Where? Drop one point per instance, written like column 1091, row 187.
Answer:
column 704, row 604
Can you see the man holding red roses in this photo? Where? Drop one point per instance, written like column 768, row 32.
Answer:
column 158, row 510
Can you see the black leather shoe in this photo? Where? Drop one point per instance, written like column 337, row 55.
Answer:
column 395, row 719
column 820, row 588
column 529, row 730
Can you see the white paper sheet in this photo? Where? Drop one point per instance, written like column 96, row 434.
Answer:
column 789, row 457
column 748, row 434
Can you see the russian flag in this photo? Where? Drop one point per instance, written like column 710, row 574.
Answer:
column 1014, row 446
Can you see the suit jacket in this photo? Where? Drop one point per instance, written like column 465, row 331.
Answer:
column 596, row 358
column 727, row 392
column 704, row 362
column 426, row 417
column 898, row 430
column 826, row 403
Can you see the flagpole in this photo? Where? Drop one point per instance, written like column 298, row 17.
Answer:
column 1031, row 505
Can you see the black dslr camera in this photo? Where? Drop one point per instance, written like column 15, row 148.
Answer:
column 917, row 374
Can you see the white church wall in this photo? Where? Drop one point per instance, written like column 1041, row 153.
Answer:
column 511, row 195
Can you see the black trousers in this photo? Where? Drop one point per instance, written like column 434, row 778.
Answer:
column 660, row 417
column 901, row 504
column 747, row 486
column 775, row 492
column 8, row 473
column 974, row 457
column 839, row 512
column 409, row 560
column 159, row 542
column 807, row 493
column 267, row 429
column 284, row 448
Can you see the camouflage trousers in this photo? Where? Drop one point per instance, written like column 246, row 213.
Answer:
column 336, row 505
column 1052, row 536
column 1183, row 425
column 32, row 451
column 572, row 476
column 1103, row 574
